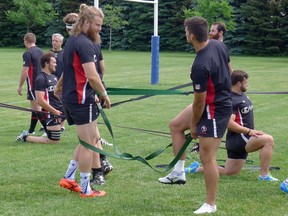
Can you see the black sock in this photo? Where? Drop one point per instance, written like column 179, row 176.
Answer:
column 41, row 118
column 33, row 123
column 102, row 157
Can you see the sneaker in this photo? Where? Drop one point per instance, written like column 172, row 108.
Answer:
column 41, row 129
column 105, row 142
column 173, row 178
column 192, row 167
column 21, row 136
column 70, row 185
column 62, row 129
column 284, row 187
column 44, row 135
column 106, row 166
column 94, row 193
column 98, row 179
column 267, row 178
column 206, row 208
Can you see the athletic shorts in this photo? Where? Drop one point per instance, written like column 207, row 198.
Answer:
column 31, row 95
column 212, row 127
column 80, row 114
column 235, row 146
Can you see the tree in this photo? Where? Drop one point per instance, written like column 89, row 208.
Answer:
column 113, row 20
column 264, row 23
column 31, row 13
column 213, row 10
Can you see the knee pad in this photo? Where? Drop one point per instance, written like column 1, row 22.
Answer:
column 53, row 134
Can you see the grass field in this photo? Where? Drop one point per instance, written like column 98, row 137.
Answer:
column 29, row 173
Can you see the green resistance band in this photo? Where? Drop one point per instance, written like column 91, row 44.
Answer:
column 130, row 91
column 127, row 156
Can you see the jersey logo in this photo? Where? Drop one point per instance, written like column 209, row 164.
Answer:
column 203, row 129
column 246, row 110
column 95, row 58
column 197, row 86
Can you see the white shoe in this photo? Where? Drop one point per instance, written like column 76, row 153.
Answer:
column 44, row 135
column 173, row 178
column 21, row 136
column 206, row 208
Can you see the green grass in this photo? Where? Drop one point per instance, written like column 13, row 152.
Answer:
column 29, row 173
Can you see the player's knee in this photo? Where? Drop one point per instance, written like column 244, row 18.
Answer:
column 269, row 141
column 54, row 135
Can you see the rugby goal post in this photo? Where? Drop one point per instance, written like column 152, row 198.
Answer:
column 155, row 40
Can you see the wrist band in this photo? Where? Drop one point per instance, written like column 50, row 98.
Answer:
column 104, row 94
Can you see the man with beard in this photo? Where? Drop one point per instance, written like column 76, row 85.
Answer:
column 241, row 137
column 80, row 84
column 217, row 32
column 100, row 165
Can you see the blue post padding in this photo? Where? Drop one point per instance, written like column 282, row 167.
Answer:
column 155, row 60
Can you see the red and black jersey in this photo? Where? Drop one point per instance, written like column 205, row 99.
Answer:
column 46, row 83
column 243, row 110
column 210, row 73
column 76, row 88
column 31, row 59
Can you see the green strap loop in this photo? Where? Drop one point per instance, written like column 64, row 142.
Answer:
column 130, row 91
column 127, row 156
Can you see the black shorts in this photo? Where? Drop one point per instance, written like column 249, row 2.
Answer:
column 31, row 95
column 212, row 127
column 80, row 114
column 235, row 146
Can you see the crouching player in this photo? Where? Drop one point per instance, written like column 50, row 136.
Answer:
column 44, row 90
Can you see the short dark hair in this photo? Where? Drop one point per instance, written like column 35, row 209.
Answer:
column 238, row 76
column 46, row 57
column 197, row 26
column 220, row 27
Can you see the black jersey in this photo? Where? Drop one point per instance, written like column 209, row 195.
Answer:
column 76, row 88
column 31, row 59
column 210, row 73
column 99, row 58
column 243, row 110
column 59, row 61
column 46, row 83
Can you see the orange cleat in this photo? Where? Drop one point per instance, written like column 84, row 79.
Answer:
column 94, row 193
column 70, row 185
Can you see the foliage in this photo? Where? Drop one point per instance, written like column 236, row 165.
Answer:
column 113, row 20
column 213, row 11
column 241, row 38
column 263, row 22
column 31, row 13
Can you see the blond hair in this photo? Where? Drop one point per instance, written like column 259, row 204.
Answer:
column 86, row 13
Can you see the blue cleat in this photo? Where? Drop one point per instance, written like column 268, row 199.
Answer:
column 284, row 187
column 192, row 167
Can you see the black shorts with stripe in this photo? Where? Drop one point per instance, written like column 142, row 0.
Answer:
column 80, row 114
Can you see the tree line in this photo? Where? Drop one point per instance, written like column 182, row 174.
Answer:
column 255, row 27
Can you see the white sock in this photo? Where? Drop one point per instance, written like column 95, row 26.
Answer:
column 72, row 168
column 179, row 166
column 85, row 182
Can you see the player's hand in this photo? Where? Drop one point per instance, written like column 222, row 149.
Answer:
column 19, row 90
column 106, row 100
column 193, row 132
